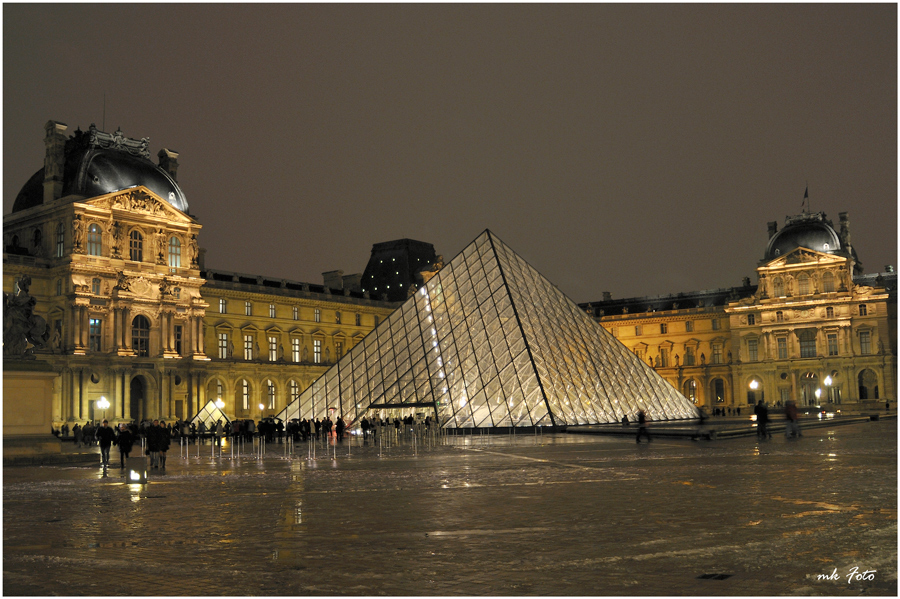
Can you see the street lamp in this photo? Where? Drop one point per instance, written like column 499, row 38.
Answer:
column 103, row 405
column 262, row 411
column 219, row 403
column 828, row 382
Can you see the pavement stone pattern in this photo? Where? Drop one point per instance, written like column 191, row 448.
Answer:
column 508, row 515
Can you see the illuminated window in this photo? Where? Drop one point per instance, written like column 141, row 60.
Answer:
column 752, row 350
column 174, row 253
column 136, row 246
column 222, row 305
column 245, row 394
column 95, row 240
column 294, row 390
column 317, row 351
column 248, row 309
column 273, row 349
column 140, row 336
column 828, row 282
column 223, row 346
column 271, row 310
column 690, row 390
column 96, row 334
column 295, row 350
column 270, row 391
column 338, row 350
column 318, row 315
column 296, row 312
column 248, row 347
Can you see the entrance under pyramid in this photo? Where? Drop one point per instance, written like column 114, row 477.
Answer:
column 489, row 342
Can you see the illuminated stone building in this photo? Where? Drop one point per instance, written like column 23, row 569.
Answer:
column 814, row 329
column 108, row 241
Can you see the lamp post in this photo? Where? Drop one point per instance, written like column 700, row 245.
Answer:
column 103, row 405
column 219, row 403
column 828, row 382
column 262, row 411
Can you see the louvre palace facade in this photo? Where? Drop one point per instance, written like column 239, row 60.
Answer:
column 814, row 329
column 106, row 238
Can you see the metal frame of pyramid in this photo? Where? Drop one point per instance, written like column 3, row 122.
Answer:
column 489, row 342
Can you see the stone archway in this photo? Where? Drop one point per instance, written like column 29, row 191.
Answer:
column 809, row 384
column 868, row 384
column 138, row 394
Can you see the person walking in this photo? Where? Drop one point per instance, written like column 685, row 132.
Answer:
column 78, row 433
column 105, row 437
column 642, row 427
column 154, row 441
column 125, row 441
column 165, row 439
column 339, row 428
column 762, row 421
column 792, row 428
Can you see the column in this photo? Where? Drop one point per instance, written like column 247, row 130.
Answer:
column 126, row 395
column 117, row 331
column 83, row 411
column 116, row 406
column 126, row 314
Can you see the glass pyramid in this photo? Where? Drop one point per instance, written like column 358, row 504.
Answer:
column 210, row 414
column 488, row 341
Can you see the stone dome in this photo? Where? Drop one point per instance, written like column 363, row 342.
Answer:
column 811, row 231
column 98, row 163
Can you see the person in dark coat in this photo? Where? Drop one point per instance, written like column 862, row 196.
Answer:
column 155, row 441
column 339, row 428
column 125, row 441
column 642, row 426
column 105, row 436
column 762, row 421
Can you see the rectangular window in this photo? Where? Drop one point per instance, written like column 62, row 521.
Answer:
column 222, row 305
column 179, row 332
column 60, row 240
column 863, row 310
column 637, row 330
column 271, row 395
column 338, row 350
column 751, row 319
column 96, row 334
column 752, row 350
column 273, row 349
column 296, row 312
column 219, row 390
column 95, row 286
column 865, row 342
column 689, row 326
column 59, row 287
column 663, row 328
column 223, row 346
column 248, row 347
column 248, row 309
column 295, row 350
column 689, row 358
column 779, row 316
column 245, row 394
column 715, row 324
column 317, row 351
column 271, row 310
column 318, row 315
column 807, row 345
column 358, row 319
column 829, row 312
column 782, row 348
column 663, row 357
column 639, row 353
column 832, row 344
column 717, row 353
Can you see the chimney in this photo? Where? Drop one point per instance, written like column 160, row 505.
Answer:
column 334, row 279
column 845, row 230
column 168, row 161
column 773, row 228
column 746, row 281
column 54, row 160
column 353, row 282
column 607, row 296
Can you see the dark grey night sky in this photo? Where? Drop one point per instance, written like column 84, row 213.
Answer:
column 636, row 149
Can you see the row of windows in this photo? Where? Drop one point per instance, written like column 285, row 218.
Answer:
column 295, row 312
column 140, row 336
column 664, row 327
column 135, row 245
column 804, row 286
column 243, row 393
column 690, row 356
column 250, row 351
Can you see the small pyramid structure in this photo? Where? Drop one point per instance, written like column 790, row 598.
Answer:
column 210, row 414
column 489, row 342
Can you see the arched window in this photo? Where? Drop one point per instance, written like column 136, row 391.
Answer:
column 95, row 240
column 60, row 240
column 140, row 335
column 777, row 287
column 690, row 390
column 803, row 283
column 827, row 283
column 718, row 389
column 174, row 253
column 136, row 246
column 270, row 391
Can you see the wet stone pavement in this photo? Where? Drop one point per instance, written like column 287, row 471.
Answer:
column 525, row 515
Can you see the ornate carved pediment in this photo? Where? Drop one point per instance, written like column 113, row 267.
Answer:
column 138, row 199
column 143, row 287
column 803, row 256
